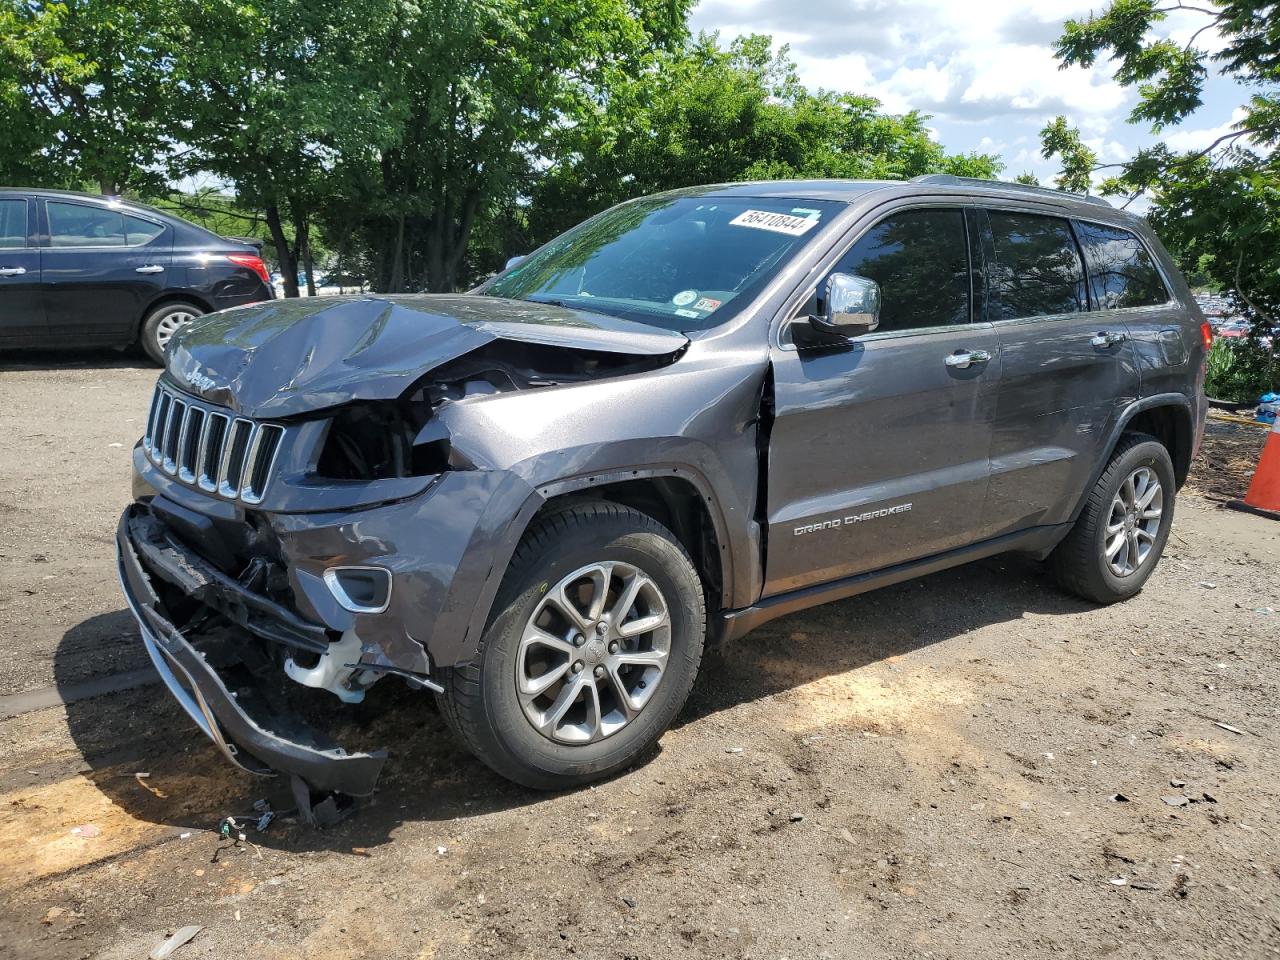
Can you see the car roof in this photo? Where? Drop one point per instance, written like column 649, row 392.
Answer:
column 106, row 200
column 848, row 191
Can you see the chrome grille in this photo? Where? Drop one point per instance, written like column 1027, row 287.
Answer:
column 209, row 447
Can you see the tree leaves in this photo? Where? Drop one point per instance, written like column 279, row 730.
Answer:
column 1217, row 208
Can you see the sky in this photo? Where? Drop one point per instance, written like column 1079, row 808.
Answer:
column 984, row 71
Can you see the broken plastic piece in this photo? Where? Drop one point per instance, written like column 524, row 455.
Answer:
column 173, row 943
column 333, row 809
column 332, row 671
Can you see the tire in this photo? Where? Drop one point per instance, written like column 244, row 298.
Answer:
column 1083, row 563
column 495, row 720
column 161, row 323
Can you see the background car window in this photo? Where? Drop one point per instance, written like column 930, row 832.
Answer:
column 141, row 231
column 1121, row 272
column 13, row 224
column 74, row 225
column 1037, row 270
column 920, row 258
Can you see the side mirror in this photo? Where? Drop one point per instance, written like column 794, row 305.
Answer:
column 513, row 261
column 852, row 306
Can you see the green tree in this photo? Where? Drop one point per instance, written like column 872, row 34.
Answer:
column 474, row 89
column 1217, row 208
column 273, row 96
column 86, row 91
column 705, row 114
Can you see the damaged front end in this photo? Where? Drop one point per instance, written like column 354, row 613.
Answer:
column 316, row 511
column 219, row 665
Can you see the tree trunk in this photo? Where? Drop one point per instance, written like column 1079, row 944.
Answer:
column 108, row 187
column 302, row 244
column 395, row 281
column 288, row 259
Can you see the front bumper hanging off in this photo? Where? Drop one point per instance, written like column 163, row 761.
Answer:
column 249, row 735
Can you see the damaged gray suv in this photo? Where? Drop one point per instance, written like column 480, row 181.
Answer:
column 690, row 414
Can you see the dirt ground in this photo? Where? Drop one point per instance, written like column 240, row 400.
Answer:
column 969, row 765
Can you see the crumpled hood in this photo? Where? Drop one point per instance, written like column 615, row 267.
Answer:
column 285, row 357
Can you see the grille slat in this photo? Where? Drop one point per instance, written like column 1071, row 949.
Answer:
column 209, row 448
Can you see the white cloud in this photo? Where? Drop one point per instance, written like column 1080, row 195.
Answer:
column 986, row 74
column 1183, row 140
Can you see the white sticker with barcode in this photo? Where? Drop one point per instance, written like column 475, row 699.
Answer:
column 776, row 222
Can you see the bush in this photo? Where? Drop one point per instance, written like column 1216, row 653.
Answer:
column 1241, row 370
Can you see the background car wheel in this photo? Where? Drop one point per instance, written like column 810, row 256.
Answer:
column 590, row 653
column 1119, row 537
column 162, row 323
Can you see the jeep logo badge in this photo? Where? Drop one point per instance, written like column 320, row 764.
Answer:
column 200, row 381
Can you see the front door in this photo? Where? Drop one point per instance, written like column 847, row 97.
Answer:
column 879, row 448
column 101, row 267
column 21, row 300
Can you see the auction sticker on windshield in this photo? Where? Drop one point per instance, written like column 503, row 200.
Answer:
column 775, row 222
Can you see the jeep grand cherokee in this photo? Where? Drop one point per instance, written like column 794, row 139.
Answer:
column 688, row 415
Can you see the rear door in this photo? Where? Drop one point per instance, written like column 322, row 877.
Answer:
column 1068, row 370
column 101, row 266
column 1126, row 284
column 21, row 301
column 879, row 448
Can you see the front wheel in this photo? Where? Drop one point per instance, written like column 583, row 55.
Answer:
column 1121, row 532
column 591, row 652
column 162, row 323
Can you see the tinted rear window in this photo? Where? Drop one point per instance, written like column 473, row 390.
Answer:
column 1037, row 270
column 1121, row 271
column 13, row 224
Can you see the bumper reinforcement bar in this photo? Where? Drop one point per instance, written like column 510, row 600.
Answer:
column 246, row 740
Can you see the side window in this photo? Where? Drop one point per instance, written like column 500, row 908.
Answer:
column 920, row 258
column 77, row 225
column 139, row 231
column 13, row 224
column 1037, row 270
column 1121, row 271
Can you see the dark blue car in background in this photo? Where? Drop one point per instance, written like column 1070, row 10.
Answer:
column 78, row 270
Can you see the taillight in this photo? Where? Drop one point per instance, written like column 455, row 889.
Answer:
column 1206, row 334
column 253, row 262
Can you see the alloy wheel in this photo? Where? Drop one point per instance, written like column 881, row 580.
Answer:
column 593, row 652
column 1133, row 522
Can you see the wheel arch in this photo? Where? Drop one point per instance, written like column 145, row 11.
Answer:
column 1168, row 418
column 679, row 497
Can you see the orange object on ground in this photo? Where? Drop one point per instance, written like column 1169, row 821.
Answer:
column 1264, row 489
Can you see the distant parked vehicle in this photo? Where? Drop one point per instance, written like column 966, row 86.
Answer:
column 78, row 270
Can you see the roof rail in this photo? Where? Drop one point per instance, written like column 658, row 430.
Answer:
column 947, row 179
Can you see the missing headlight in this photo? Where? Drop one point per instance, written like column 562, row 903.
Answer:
column 374, row 441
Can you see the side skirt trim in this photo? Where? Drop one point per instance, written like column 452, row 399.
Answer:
column 1037, row 540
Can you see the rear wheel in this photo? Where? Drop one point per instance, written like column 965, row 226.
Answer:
column 1119, row 537
column 162, row 323
column 592, row 649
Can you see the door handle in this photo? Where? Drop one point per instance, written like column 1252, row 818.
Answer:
column 150, row 268
column 963, row 359
column 12, row 271
column 1104, row 338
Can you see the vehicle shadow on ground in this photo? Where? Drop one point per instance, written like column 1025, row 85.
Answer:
column 74, row 358
column 430, row 778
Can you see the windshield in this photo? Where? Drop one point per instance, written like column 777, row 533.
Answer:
column 673, row 263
